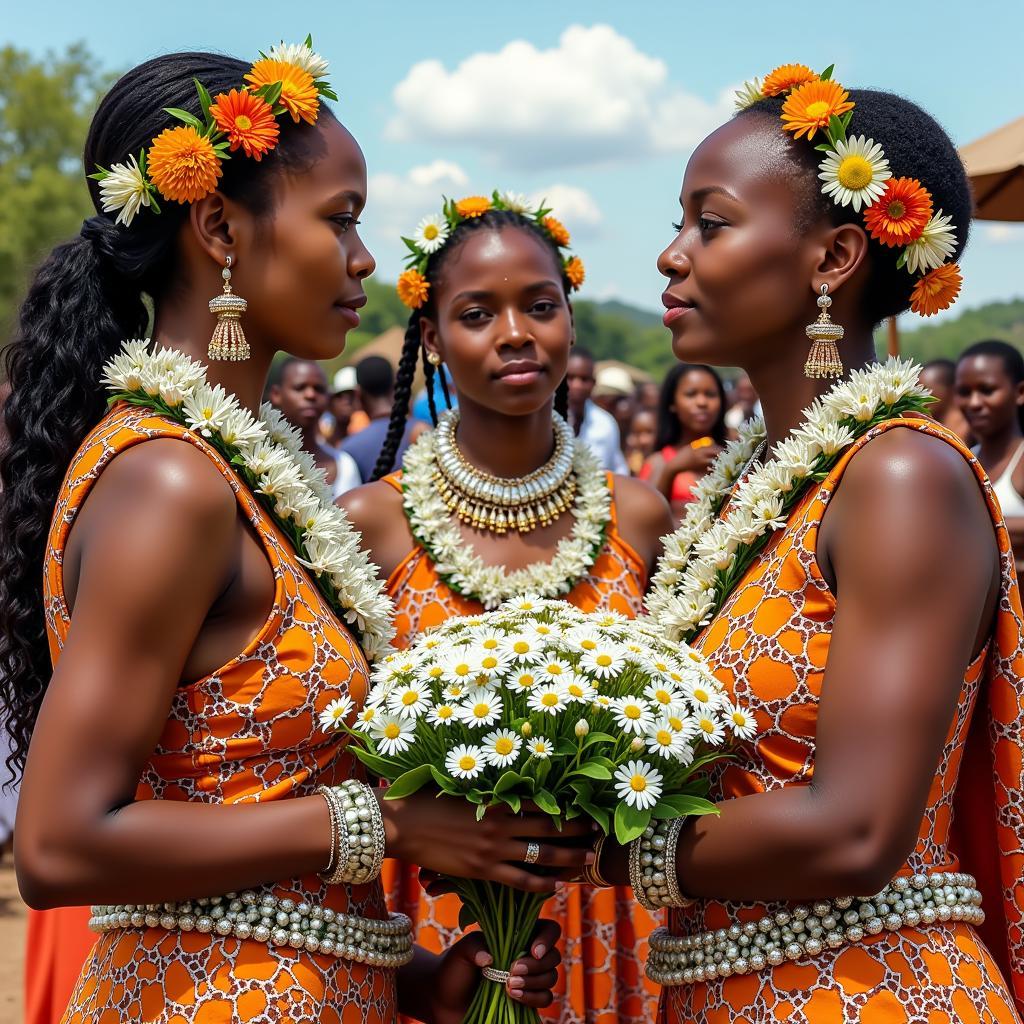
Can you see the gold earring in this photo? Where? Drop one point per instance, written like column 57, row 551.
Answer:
column 823, row 359
column 434, row 359
column 228, row 343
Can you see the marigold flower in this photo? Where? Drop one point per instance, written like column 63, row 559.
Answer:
column 557, row 230
column 183, row 164
column 900, row 213
column 473, row 206
column 937, row 290
column 298, row 92
column 575, row 271
column 812, row 105
column 413, row 289
column 787, row 77
column 247, row 120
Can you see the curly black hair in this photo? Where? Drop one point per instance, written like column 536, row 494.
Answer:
column 85, row 299
column 412, row 348
column 916, row 146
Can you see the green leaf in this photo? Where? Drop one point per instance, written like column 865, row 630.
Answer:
column 546, row 801
column 593, row 771
column 309, row 40
column 481, row 810
column 381, row 766
column 205, row 99
column 599, row 814
column 99, row 175
column 902, row 261
column 836, row 129
column 184, row 115
column 565, row 747
column 677, row 805
column 598, row 737
column 152, row 200
column 630, row 823
column 326, row 91
column 446, row 784
column 273, row 92
column 409, row 783
column 847, row 118
column 827, row 73
column 507, row 781
column 513, row 800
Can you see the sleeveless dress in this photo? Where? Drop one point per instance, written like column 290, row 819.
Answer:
column 246, row 733
column 1010, row 500
column 769, row 646
column 682, row 483
column 604, row 931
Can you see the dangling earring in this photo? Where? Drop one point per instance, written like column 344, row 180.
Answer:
column 228, row 343
column 823, row 359
column 434, row 359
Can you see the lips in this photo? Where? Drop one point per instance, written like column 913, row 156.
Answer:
column 675, row 308
column 348, row 308
column 520, row 371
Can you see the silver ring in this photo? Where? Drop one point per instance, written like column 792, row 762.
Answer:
column 493, row 974
column 532, row 853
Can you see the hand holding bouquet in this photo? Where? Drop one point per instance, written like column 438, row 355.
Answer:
column 540, row 706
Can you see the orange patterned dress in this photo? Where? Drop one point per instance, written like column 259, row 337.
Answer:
column 246, row 733
column 769, row 647
column 604, row 931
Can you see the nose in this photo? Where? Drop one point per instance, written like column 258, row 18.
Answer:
column 673, row 261
column 361, row 263
column 516, row 332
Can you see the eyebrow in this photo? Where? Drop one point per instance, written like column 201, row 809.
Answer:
column 353, row 197
column 484, row 294
column 700, row 193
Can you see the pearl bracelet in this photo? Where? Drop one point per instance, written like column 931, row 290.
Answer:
column 796, row 932
column 263, row 917
column 652, row 866
column 357, row 833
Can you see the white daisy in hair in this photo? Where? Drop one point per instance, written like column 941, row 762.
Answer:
column 431, row 233
column 549, row 699
column 604, row 661
column 441, row 714
column 409, row 701
column 124, row 189
column 631, row 714
column 465, row 761
column 333, row 716
column 393, row 735
column 854, row 172
column 671, row 744
column 480, row 708
column 638, row 784
column 741, row 723
column 502, row 747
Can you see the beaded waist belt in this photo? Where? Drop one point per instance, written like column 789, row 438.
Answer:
column 379, row 942
column 803, row 931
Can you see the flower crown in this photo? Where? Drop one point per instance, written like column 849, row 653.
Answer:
column 898, row 212
column 183, row 163
column 432, row 232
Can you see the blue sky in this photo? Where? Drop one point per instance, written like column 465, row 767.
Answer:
column 596, row 105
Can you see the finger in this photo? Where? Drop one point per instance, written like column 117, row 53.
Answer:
column 533, row 982
column 549, row 960
column 545, row 938
column 551, row 856
column 464, row 961
column 548, row 829
column 535, row 999
column 520, row 878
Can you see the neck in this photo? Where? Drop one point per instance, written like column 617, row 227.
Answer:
column 311, row 438
column 180, row 328
column 995, row 448
column 784, row 389
column 506, row 446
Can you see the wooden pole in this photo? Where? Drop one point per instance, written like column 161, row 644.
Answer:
column 894, row 337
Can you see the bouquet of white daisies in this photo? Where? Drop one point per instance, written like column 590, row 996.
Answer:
column 538, row 703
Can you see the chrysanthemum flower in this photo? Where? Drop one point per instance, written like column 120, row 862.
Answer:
column 523, row 681
column 638, row 784
column 666, row 697
column 298, row 92
column 124, row 189
column 247, row 120
column 473, row 206
column 786, row 77
column 557, row 230
column 811, row 106
column 900, row 214
column 522, row 648
column 936, row 291
column 431, row 233
column 502, row 747
column 366, row 718
column 935, row 245
column 465, row 762
column 604, row 661
column 183, row 165
column 853, row 173
column 750, row 93
column 335, row 713
column 575, row 272
column 413, row 288
column 302, row 56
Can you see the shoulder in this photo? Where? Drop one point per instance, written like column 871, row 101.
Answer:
column 377, row 512
column 638, row 502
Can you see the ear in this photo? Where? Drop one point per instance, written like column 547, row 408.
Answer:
column 842, row 253
column 221, row 226
column 430, row 337
column 1020, row 393
column 274, row 394
column 572, row 323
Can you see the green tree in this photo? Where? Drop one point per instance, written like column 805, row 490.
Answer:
column 45, row 108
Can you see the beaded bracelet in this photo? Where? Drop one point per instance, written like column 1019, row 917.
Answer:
column 356, row 820
column 652, row 866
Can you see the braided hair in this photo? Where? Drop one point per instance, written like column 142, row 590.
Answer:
column 85, row 299
column 413, row 353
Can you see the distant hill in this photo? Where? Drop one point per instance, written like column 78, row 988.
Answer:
column 640, row 317
column 946, row 340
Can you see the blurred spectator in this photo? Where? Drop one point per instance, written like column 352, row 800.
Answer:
column 298, row 390
column 744, row 403
column 615, row 392
column 595, row 427
column 640, row 440
column 939, row 377
column 691, row 432
column 342, row 406
column 647, row 396
column 990, row 393
column 375, row 386
column 421, row 407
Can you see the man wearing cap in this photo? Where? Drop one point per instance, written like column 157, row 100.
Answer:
column 344, row 417
column 592, row 425
column 615, row 392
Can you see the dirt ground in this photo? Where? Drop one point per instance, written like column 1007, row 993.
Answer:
column 12, row 944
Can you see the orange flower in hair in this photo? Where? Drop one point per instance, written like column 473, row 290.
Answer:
column 183, row 164
column 247, row 120
column 473, row 206
column 900, row 213
column 787, row 77
column 937, row 290
column 413, row 289
column 810, row 107
column 557, row 230
column 298, row 92
column 574, row 270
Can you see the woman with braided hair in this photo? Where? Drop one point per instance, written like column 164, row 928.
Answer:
column 490, row 290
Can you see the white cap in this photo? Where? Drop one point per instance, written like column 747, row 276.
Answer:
column 344, row 380
column 613, row 380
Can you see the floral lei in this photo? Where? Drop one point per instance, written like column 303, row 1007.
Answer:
column 707, row 556
column 267, row 454
column 898, row 212
column 463, row 570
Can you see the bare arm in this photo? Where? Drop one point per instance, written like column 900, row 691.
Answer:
column 644, row 518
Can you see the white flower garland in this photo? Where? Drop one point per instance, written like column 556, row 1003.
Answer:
column 707, row 555
column 268, row 455
column 463, row 570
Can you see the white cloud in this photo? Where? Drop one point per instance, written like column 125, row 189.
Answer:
column 594, row 98
column 397, row 202
column 1003, row 233
column 575, row 207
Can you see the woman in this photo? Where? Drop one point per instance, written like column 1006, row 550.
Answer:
column 185, row 745
column 691, row 432
column 492, row 308
column 990, row 395
column 857, row 592
column 643, row 431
